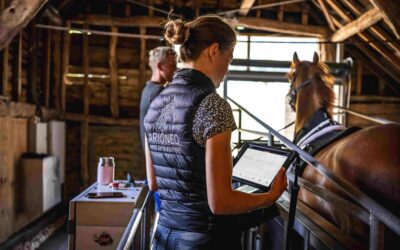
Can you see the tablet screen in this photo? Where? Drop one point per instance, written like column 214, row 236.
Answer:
column 258, row 166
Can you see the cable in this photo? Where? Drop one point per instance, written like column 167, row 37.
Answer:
column 96, row 32
column 324, row 42
column 148, row 6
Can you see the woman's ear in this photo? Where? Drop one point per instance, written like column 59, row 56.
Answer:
column 213, row 51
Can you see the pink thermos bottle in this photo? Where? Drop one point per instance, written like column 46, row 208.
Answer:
column 105, row 170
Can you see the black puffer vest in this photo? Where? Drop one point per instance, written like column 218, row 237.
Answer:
column 178, row 160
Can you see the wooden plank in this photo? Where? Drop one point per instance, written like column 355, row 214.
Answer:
column 114, row 74
column 375, row 30
column 134, row 21
column 15, row 17
column 102, row 120
column 142, row 71
column 395, row 61
column 24, row 110
column 359, row 77
column 280, row 13
column 151, row 9
column 366, row 20
column 13, row 142
column 391, row 12
column 280, row 27
column 245, row 7
column 86, row 70
column 65, row 64
column 17, row 69
column 47, row 65
column 327, row 15
column 32, row 88
column 5, row 73
column 84, row 151
column 57, row 72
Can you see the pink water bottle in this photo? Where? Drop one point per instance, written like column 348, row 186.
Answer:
column 105, row 170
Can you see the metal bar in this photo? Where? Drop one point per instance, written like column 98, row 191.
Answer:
column 374, row 119
column 380, row 212
column 376, row 233
column 253, row 132
column 133, row 225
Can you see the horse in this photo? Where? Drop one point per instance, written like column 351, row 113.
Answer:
column 369, row 158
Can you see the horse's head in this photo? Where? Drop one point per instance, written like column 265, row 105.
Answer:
column 313, row 78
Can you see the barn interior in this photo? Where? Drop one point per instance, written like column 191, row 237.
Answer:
column 72, row 73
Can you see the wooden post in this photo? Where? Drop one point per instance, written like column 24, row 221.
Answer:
column 359, row 78
column 47, row 65
column 127, row 10
column 114, row 74
column 197, row 8
column 151, row 10
column 17, row 69
column 65, row 65
column 84, row 152
column 86, row 103
column 5, row 68
column 280, row 13
column 142, row 70
column 57, row 69
column 32, row 94
column 304, row 16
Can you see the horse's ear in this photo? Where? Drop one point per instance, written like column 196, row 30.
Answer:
column 295, row 58
column 315, row 58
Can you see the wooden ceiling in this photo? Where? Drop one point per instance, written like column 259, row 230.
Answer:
column 371, row 27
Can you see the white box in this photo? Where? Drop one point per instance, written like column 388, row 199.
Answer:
column 100, row 223
column 37, row 142
column 41, row 187
column 56, row 145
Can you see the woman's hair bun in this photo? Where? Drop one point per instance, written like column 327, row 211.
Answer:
column 176, row 32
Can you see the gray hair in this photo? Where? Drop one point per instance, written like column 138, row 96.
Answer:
column 159, row 54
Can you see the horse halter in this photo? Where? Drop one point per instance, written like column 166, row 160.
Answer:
column 293, row 93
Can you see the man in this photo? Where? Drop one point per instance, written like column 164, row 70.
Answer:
column 162, row 61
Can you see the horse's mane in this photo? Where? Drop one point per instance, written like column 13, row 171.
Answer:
column 322, row 80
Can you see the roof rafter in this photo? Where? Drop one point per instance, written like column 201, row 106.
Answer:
column 245, row 6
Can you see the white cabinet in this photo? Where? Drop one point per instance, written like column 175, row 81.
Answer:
column 100, row 223
column 56, row 145
column 37, row 141
column 40, row 184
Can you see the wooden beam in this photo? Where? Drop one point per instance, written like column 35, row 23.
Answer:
column 327, row 15
column 134, row 21
column 366, row 20
column 375, row 30
column 86, row 70
column 65, row 64
column 15, row 17
column 280, row 27
column 359, row 77
column 197, row 8
column 57, row 69
column 102, row 120
column 280, row 13
column 32, row 89
column 5, row 72
column 17, row 69
column 47, row 65
column 114, row 74
column 142, row 69
column 381, row 87
column 395, row 61
column 391, row 12
column 245, row 7
column 151, row 9
column 84, row 152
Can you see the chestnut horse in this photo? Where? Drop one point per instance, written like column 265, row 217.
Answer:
column 369, row 159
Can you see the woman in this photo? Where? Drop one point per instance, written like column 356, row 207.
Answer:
column 188, row 154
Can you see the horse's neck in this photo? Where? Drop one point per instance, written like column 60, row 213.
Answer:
column 304, row 112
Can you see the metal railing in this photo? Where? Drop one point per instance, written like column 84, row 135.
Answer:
column 377, row 213
column 139, row 218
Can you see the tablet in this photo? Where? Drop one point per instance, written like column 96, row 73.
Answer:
column 257, row 164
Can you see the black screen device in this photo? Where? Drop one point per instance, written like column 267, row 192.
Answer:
column 257, row 164
column 99, row 195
